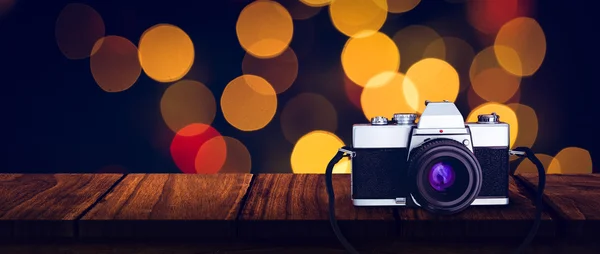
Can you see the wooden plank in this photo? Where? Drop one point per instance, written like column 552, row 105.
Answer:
column 168, row 206
column 478, row 222
column 295, row 207
column 47, row 205
column 576, row 201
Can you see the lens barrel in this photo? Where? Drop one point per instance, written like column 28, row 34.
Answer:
column 445, row 176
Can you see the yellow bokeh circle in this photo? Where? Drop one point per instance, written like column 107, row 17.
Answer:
column 401, row 6
column 489, row 80
column 507, row 115
column 388, row 93
column 358, row 18
column 264, row 28
column 313, row 151
column 435, row 80
column 365, row 57
column 249, row 102
column 187, row 102
column 526, row 37
column 487, row 58
column 316, row 3
column 495, row 85
column 456, row 51
column 571, row 160
column 166, row 53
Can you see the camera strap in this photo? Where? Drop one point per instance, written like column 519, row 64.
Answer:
column 343, row 152
column 539, row 206
column 519, row 151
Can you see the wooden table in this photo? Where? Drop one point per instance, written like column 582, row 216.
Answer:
column 273, row 213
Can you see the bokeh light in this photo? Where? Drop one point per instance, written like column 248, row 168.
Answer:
column 456, row 52
column 389, row 93
column 526, row 166
column 166, row 53
column 474, row 100
column 299, row 10
column 249, row 102
column 507, row 115
column 495, row 85
column 307, row 112
column 313, row 151
column 528, row 125
column 483, row 60
column 488, row 16
column 365, row 57
column 186, row 145
column 527, row 39
column 211, row 156
column 316, row 3
column 264, row 28
column 358, row 18
column 489, row 80
column 238, row 158
column 187, row 102
column 280, row 71
column 115, row 65
column 78, row 27
column 396, row 6
column 412, row 41
column 435, row 80
column 571, row 160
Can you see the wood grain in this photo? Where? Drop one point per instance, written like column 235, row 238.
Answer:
column 295, row 207
column 287, row 206
column 168, row 206
column 479, row 222
column 47, row 205
column 576, row 201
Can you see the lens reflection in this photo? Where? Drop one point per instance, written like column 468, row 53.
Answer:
column 441, row 176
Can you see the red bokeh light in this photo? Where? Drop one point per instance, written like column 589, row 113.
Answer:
column 189, row 154
column 488, row 16
column 211, row 156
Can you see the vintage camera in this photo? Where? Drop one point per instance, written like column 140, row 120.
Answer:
column 441, row 164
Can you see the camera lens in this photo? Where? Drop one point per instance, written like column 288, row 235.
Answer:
column 441, row 176
column 446, row 176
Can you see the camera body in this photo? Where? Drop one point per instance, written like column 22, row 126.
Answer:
column 441, row 164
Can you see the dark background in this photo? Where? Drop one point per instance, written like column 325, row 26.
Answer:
column 56, row 119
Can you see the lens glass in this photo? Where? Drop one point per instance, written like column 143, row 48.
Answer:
column 447, row 176
column 446, row 179
column 441, row 176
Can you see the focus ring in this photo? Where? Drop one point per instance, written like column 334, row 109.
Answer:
column 417, row 163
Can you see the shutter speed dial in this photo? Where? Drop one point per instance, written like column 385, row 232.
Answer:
column 488, row 118
column 379, row 120
column 405, row 118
